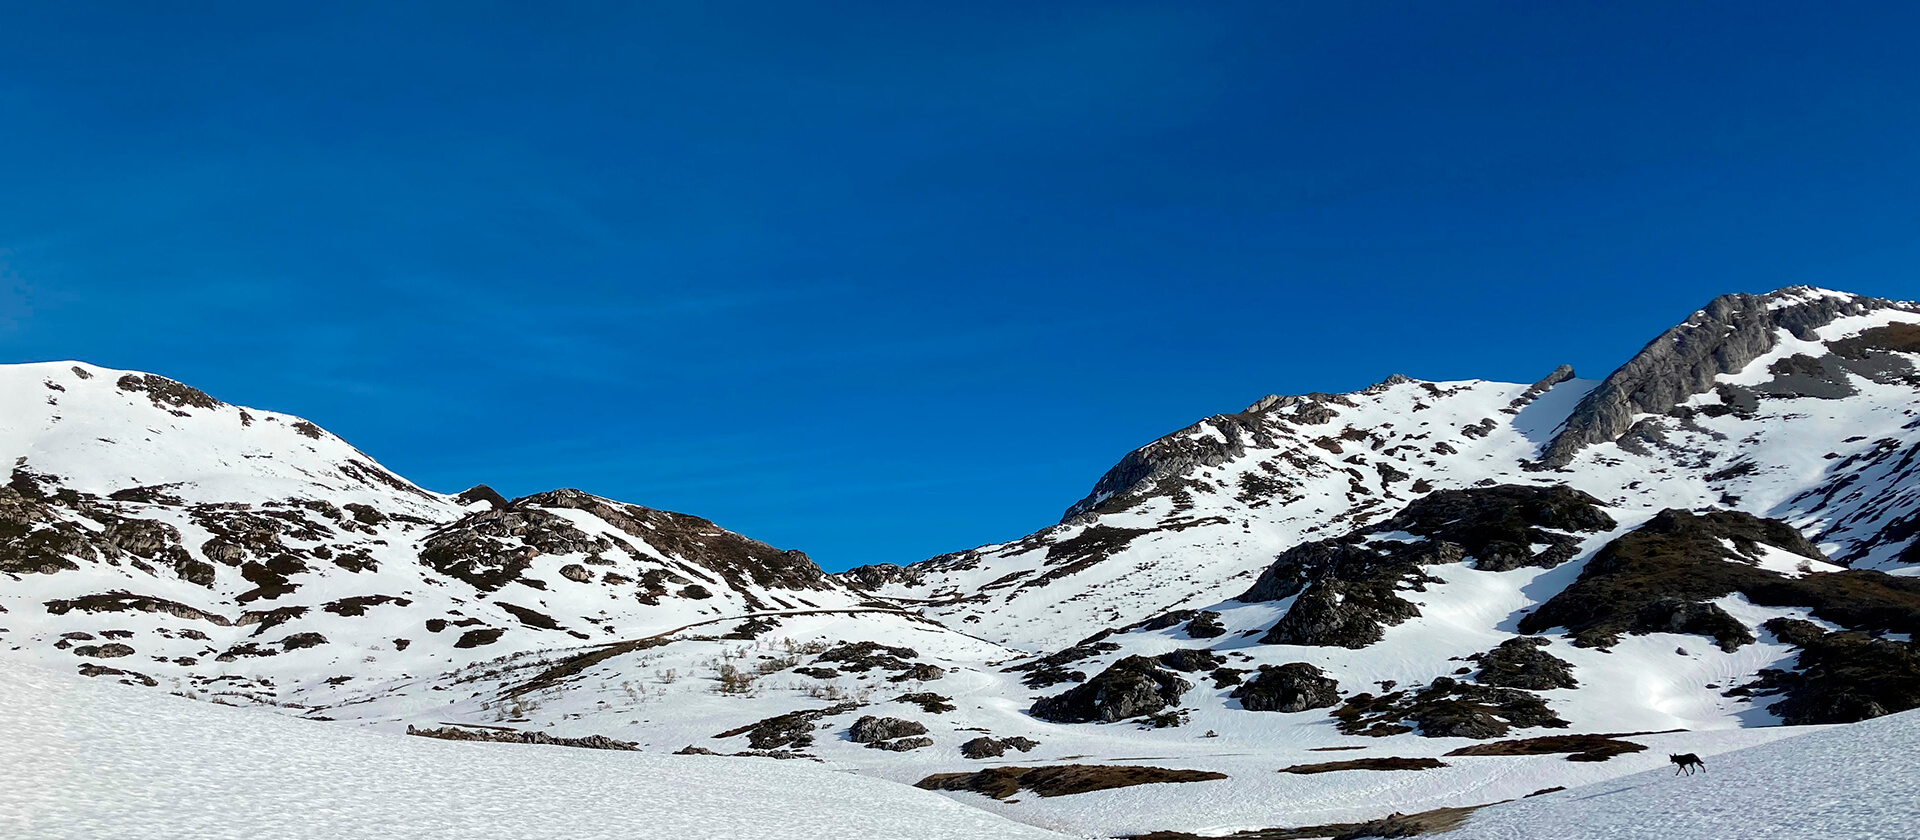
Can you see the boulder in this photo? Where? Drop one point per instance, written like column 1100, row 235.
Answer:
column 1293, row 687
column 1131, row 687
column 871, row 729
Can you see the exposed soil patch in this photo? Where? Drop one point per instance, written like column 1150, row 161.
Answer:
column 1365, row 764
column 1396, row 825
column 1060, row 779
column 1578, row 747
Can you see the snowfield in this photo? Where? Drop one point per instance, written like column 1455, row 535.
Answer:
column 93, row 759
column 1854, row 781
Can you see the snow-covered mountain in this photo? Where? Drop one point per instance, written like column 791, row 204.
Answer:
column 1429, row 585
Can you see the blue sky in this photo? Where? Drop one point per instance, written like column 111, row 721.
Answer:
column 879, row 281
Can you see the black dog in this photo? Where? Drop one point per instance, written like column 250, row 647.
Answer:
column 1687, row 762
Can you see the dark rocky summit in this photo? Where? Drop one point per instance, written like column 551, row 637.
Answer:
column 1732, row 331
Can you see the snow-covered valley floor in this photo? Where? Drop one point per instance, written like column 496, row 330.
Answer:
column 93, row 759
column 1854, row 782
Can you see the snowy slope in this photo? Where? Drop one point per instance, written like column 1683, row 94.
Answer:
column 91, row 759
column 152, row 535
column 1189, row 519
column 1853, row 781
column 150, row 528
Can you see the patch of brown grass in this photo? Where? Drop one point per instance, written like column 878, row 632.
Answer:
column 1060, row 779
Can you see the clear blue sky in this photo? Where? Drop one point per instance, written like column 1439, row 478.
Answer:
column 883, row 280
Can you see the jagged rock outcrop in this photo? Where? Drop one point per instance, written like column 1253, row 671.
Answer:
column 1732, row 331
column 1293, row 687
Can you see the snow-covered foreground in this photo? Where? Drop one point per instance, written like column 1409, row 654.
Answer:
column 1854, row 781
column 92, row 759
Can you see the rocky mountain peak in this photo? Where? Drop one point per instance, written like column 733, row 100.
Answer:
column 1724, row 337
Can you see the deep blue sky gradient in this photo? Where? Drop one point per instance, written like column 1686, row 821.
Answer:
column 883, row 280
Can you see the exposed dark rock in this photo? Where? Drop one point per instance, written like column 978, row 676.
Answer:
column 1051, row 669
column 120, row 600
column 1341, row 613
column 902, row 744
column 479, row 636
column 1446, row 709
column 1172, row 457
column 870, row 729
column 1348, row 587
column 928, row 702
column 1189, row 659
column 510, row 736
column 166, row 393
column 1206, row 625
column 793, row 729
column 359, row 604
column 1498, row 526
column 1661, row 576
column 112, row 650
column 1673, row 615
column 1130, row 687
column 919, row 671
column 985, row 747
column 1060, row 779
column 576, row 573
column 126, row 677
column 1521, row 663
column 299, row 641
column 1293, row 687
column 481, row 493
column 875, row 576
column 817, row 673
column 866, row 656
column 1223, row 677
column 1843, row 677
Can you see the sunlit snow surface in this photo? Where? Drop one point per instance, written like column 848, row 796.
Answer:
column 1855, row 782
column 92, row 759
